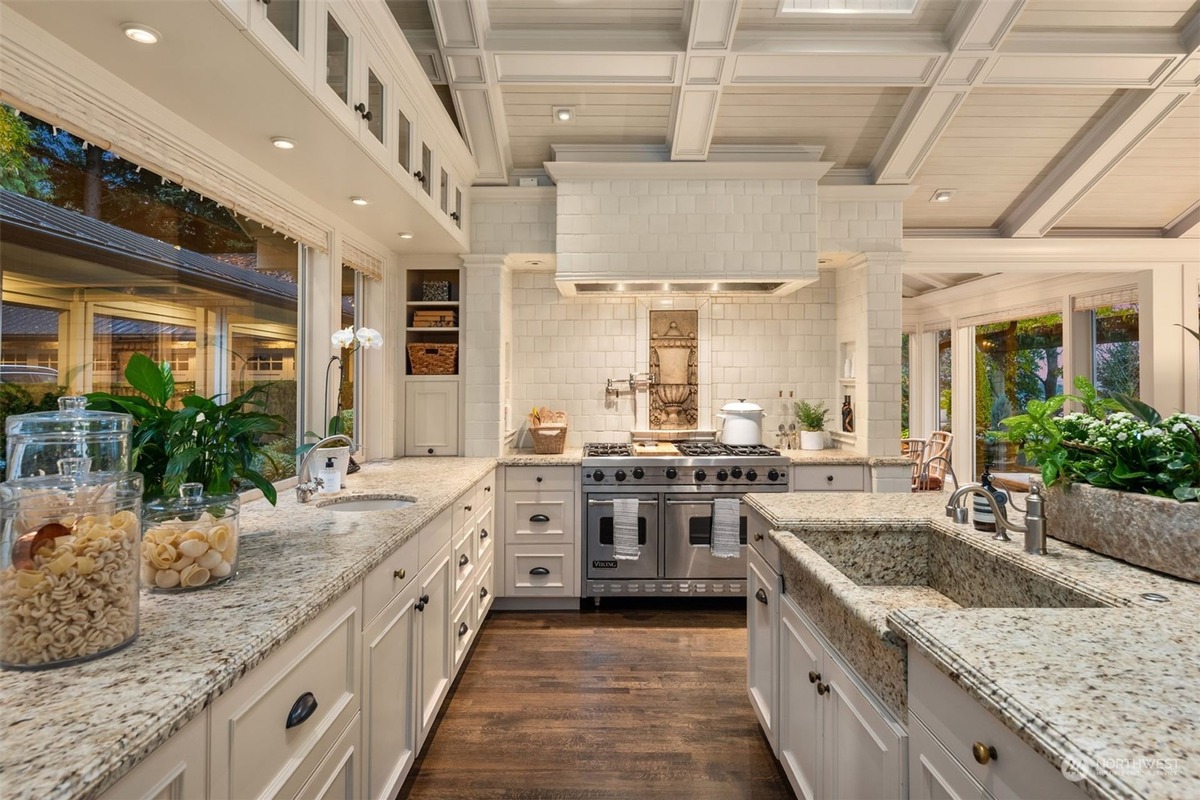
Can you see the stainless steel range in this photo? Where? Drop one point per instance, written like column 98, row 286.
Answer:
column 675, row 512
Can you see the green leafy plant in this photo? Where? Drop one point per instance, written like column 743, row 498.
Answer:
column 812, row 417
column 203, row 441
column 1114, row 443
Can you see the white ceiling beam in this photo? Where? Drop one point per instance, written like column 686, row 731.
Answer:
column 460, row 27
column 941, row 254
column 1186, row 225
column 975, row 35
column 706, row 71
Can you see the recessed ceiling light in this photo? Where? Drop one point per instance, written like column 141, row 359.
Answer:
column 534, row 263
column 942, row 196
column 666, row 287
column 142, row 34
column 358, row 201
column 405, row 235
column 283, row 143
column 564, row 114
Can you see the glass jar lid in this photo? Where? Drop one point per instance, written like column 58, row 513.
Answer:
column 73, row 490
column 71, row 417
column 191, row 501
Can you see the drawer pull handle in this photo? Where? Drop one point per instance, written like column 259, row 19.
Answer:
column 483, row 592
column 539, row 478
column 302, row 709
column 813, row 677
column 539, row 571
column 758, row 537
column 399, row 574
column 761, row 596
column 539, row 518
column 422, row 602
column 483, row 534
column 466, row 508
column 463, row 560
column 462, row 629
column 822, row 688
column 829, row 478
column 983, row 752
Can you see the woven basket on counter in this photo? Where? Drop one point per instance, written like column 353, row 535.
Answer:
column 433, row 359
column 549, row 440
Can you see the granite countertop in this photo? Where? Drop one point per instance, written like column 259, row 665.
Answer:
column 572, row 456
column 73, row 731
column 569, row 457
column 1102, row 687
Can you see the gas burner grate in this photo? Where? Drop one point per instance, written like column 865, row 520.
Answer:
column 606, row 449
column 701, row 449
column 750, row 450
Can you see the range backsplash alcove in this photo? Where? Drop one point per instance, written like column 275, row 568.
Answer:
column 674, row 391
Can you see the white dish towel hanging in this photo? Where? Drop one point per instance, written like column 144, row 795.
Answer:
column 726, row 527
column 625, row 529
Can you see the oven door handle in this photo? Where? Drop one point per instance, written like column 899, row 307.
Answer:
column 650, row 502
column 689, row 502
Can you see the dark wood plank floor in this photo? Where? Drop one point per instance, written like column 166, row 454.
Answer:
column 636, row 701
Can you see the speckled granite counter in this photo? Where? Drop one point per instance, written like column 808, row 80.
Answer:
column 570, row 457
column 833, row 456
column 71, row 732
column 1101, row 686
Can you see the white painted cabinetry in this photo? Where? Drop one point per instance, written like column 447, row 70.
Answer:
column 434, row 651
column 541, row 532
column 829, row 478
column 431, row 417
column 178, row 770
column 762, row 633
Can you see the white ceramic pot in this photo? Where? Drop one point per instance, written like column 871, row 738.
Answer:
column 743, row 423
column 340, row 456
column 812, row 440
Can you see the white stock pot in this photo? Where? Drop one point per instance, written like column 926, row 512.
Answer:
column 743, row 423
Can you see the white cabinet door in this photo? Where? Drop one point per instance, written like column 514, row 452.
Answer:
column 287, row 29
column 389, row 695
column 864, row 750
column 802, row 693
column 431, row 418
column 178, row 770
column 762, row 630
column 338, row 776
column 933, row 773
column 436, row 587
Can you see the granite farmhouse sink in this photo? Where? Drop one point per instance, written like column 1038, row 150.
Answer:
column 366, row 504
column 969, row 576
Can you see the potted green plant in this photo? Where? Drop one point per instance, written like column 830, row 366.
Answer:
column 812, row 418
column 349, row 342
column 203, row 441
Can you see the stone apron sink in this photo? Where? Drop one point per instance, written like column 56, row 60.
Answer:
column 356, row 504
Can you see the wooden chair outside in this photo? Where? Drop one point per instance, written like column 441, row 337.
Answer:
column 931, row 474
column 914, row 451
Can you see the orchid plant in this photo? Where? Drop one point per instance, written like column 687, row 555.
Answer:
column 350, row 341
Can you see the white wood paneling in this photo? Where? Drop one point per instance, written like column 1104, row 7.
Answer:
column 1074, row 15
column 630, row 115
column 1162, row 172
column 536, row 14
column 1000, row 145
column 849, row 123
column 931, row 15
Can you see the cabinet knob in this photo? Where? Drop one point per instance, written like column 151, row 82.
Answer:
column 420, row 606
column 462, row 629
column 430, row 451
column 822, row 688
column 361, row 108
column 483, row 592
column 419, row 176
column 813, row 677
column 463, row 560
column 483, row 534
column 761, row 596
column 487, row 488
column 539, row 571
column 983, row 752
column 539, row 478
column 758, row 537
column 302, row 709
column 829, row 478
column 399, row 574
column 466, row 508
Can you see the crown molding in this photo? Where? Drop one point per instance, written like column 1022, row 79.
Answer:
column 694, row 170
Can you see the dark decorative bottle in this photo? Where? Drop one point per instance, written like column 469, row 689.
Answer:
column 847, row 415
column 982, row 516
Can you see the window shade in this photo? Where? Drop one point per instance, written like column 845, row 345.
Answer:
column 1007, row 314
column 362, row 260
column 1115, row 297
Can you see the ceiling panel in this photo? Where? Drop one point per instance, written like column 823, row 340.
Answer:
column 411, row 15
column 930, row 15
column 612, row 14
column 997, row 148
column 1128, row 15
column 619, row 115
column 1154, row 184
column 850, row 123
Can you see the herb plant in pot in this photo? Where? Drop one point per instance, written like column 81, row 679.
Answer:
column 812, row 419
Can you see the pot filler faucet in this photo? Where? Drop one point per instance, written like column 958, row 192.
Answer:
column 307, row 483
column 1035, row 514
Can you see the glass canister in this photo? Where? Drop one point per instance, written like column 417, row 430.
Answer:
column 189, row 541
column 36, row 442
column 68, row 565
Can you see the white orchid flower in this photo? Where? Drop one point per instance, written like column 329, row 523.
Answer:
column 344, row 337
column 369, row 337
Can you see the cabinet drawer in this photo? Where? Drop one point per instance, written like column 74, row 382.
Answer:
column 552, row 479
column 434, row 536
column 827, row 479
column 462, row 628
column 958, row 721
column 463, row 510
column 253, row 753
column 465, row 557
column 539, row 571
column 337, row 776
column 758, row 537
column 539, row 517
column 933, row 772
column 388, row 579
column 485, row 532
column 485, row 491
column 177, row 770
column 485, row 590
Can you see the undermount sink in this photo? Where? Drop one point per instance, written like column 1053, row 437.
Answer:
column 366, row 504
column 969, row 576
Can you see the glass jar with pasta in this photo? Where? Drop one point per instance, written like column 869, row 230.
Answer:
column 189, row 541
column 68, row 565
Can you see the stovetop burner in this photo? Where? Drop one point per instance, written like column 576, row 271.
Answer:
column 750, row 450
column 715, row 449
column 598, row 449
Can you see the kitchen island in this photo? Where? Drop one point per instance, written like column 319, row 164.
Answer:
column 1111, row 692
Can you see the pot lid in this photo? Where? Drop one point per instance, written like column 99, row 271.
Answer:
column 742, row 407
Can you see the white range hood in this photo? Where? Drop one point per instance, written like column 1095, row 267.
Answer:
column 686, row 227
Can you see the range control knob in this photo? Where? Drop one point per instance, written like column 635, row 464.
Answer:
column 736, row 472
column 700, row 475
column 751, row 475
column 639, row 473
column 598, row 476
column 672, row 473
column 773, row 475
column 722, row 475
column 620, row 476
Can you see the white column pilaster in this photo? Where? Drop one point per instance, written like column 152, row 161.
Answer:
column 480, row 356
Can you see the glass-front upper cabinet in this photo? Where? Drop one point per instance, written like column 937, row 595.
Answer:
column 289, row 30
column 374, row 105
column 426, row 176
column 337, row 59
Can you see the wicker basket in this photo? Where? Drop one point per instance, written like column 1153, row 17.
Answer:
column 550, row 440
column 433, row 359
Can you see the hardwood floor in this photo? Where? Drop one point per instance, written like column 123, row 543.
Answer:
column 633, row 700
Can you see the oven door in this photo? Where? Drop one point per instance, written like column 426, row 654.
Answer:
column 687, row 538
column 601, row 564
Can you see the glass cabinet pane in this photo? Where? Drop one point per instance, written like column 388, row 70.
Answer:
column 458, row 207
column 337, row 60
column 404, row 146
column 426, row 168
column 375, row 105
column 445, row 192
column 285, row 16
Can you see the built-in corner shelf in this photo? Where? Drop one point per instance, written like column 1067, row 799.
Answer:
column 433, row 296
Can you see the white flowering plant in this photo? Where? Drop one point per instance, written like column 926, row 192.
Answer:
column 349, row 341
column 1119, row 443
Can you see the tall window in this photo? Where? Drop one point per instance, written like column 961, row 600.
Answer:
column 904, row 368
column 945, row 351
column 347, row 398
column 1116, row 359
column 1016, row 361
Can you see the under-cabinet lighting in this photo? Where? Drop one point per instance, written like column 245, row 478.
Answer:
column 564, row 114
column 142, row 34
column 358, row 201
column 942, row 196
column 283, row 143
column 716, row 287
column 666, row 287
